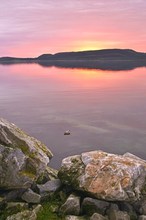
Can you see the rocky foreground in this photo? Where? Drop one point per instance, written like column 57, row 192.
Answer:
column 94, row 185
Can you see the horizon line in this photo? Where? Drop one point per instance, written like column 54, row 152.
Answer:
column 74, row 52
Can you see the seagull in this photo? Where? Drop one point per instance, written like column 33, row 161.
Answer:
column 67, row 132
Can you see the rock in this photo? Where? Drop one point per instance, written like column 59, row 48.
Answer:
column 97, row 216
column 90, row 206
column 46, row 175
column 142, row 209
column 48, row 187
column 24, row 215
column 118, row 215
column 73, row 217
column 16, row 205
column 13, row 195
column 113, row 206
column 132, row 156
column 37, row 208
column 126, row 207
column 31, row 197
column 22, row 158
column 115, row 214
column 1, row 200
column 71, row 206
column 67, row 132
column 105, row 176
column 13, row 208
column 140, row 206
column 142, row 217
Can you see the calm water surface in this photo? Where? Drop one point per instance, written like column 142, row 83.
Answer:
column 104, row 110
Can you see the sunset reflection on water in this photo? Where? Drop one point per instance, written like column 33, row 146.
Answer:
column 104, row 110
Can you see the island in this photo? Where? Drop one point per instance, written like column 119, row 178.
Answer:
column 106, row 59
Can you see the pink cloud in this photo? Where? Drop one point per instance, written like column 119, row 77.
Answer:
column 43, row 26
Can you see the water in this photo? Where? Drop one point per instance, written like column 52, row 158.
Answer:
column 104, row 110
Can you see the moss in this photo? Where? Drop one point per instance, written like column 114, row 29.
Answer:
column 29, row 170
column 50, row 210
column 28, row 174
column 41, row 146
column 4, row 212
column 30, row 166
column 24, row 149
column 70, row 176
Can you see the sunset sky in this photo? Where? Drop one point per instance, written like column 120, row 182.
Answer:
column 29, row 28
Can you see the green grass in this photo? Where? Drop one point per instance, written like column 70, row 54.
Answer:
column 50, row 209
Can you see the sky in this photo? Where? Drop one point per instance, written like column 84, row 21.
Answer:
column 29, row 28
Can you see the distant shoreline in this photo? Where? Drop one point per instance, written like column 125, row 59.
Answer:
column 107, row 59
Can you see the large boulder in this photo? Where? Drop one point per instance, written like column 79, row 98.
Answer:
column 105, row 176
column 22, row 158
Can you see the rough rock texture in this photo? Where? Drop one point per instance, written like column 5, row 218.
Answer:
column 118, row 215
column 105, row 176
column 22, row 158
column 26, row 214
column 50, row 186
column 90, row 206
column 13, row 195
column 16, row 205
column 71, row 206
column 31, row 197
column 97, row 216
column 142, row 217
column 142, row 208
column 73, row 217
column 126, row 207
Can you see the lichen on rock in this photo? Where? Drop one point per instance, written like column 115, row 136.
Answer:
column 23, row 158
column 105, row 176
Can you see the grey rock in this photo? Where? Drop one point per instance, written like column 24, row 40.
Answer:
column 31, row 197
column 47, row 174
column 90, row 206
column 114, row 206
column 71, row 206
column 129, row 155
column 142, row 209
column 12, row 208
column 1, row 200
column 24, row 215
column 13, row 195
column 140, row 206
column 73, row 217
column 142, row 217
column 129, row 209
column 50, row 186
column 97, row 216
column 16, row 205
column 37, row 208
column 118, row 215
column 22, row 158
column 105, row 176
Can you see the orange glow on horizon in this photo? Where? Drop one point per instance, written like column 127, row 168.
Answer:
column 93, row 45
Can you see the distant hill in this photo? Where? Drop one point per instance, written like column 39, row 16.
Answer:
column 107, row 54
column 110, row 59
